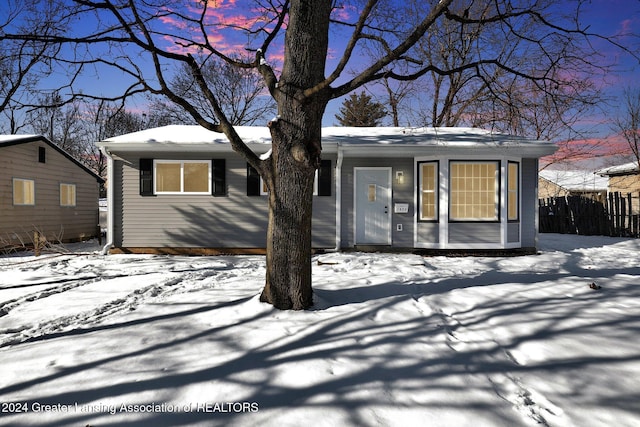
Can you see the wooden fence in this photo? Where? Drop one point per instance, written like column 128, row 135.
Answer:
column 580, row 215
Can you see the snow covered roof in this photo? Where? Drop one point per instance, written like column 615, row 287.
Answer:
column 6, row 139
column 363, row 140
column 576, row 180
column 9, row 140
column 624, row 169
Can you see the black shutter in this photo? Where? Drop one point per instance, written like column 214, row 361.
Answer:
column 218, row 177
column 253, row 181
column 42, row 155
column 146, row 177
column 324, row 178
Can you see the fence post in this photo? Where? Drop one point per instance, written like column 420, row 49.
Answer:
column 630, row 206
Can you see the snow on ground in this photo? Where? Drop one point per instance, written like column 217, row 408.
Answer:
column 393, row 340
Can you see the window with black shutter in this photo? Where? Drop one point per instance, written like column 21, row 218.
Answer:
column 218, row 177
column 324, row 178
column 146, row 177
column 253, row 181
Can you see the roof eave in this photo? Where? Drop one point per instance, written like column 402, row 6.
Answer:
column 530, row 151
column 172, row 147
column 330, row 147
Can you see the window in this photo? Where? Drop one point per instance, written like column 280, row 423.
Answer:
column 42, row 155
column 428, row 191
column 264, row 191
column 67, row 194
column 474, row 191
column 24, row 192
column 513, row 179
column 321, row 184
column 186, row 176
column 171, row 174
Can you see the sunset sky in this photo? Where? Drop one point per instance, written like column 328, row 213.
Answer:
column 609, row 18
column 604, row 17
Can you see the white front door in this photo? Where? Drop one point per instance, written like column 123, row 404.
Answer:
column 372, row 206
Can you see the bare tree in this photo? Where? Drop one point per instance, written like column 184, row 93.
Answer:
column 101, row 121
column 627, row 124
column 75, row 125
column 22, row 61
column 449, row 45
column 240, row 92
column 539, row 85
column 396, row 92
column 140, row 39
column 62, row 122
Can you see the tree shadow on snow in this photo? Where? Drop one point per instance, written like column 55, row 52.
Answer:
column 386, row 353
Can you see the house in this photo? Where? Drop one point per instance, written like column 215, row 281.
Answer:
column 182, row 189
column 562, row 183
column 44, row 189
column 624, row 179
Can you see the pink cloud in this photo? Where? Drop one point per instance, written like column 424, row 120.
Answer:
column 226, row 23
column 344, row 12
column 625, row 26
column 589, row 148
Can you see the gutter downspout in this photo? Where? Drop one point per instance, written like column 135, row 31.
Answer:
column 338, row 199
column 110, row 216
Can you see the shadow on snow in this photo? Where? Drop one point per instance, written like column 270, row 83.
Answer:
column 375, row 346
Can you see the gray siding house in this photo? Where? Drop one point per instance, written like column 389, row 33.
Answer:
column 44, row 189
column 182, row 189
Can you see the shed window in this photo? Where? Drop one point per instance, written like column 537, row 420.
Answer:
column 474, row 191
column 67, row 195
column 513, row 199
column 428, row 191
column 42, row 155
column 24, row 192
column 182, row 176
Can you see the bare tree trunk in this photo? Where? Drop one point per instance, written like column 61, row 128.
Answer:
column 296, row 150
column 294, row 159
column 393, row 102
column 288, row 279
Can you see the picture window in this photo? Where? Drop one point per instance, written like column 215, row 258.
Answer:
column 182, row 177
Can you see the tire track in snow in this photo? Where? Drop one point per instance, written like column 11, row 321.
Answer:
column 74, row 283
column 78, row 321
column 98, row 282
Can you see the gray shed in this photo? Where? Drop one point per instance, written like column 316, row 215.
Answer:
column 183, row 189
column 44, row 189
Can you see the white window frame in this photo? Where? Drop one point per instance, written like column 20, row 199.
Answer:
column 23, row 181
column 513, row 193
column 181, row 163
column 264, row 192
column 436, row 190
column 67, row 186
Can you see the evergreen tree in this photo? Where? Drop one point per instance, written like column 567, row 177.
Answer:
column 360, row 110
